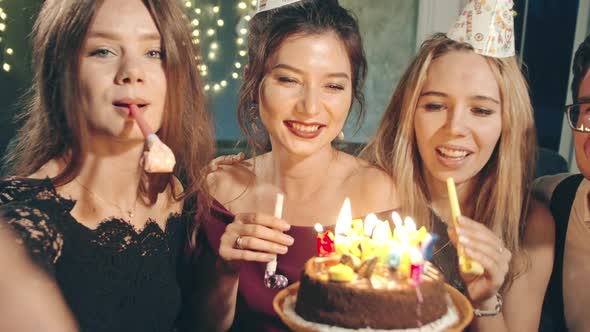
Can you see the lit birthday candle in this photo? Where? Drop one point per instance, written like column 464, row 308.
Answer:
column 344, row 243
column 324, row 241
column 428, row 245
column 382, row 236
column 399, row 225
column 416, row 260
column 371, row 222
column 404, row 269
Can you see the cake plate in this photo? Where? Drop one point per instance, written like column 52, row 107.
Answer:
column 462, row 305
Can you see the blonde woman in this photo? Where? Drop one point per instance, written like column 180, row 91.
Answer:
column 459, row 114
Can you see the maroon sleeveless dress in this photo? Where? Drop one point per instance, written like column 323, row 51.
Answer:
column 254, row 311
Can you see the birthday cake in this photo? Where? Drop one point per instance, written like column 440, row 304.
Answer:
column 383, row 302
column 370, row 277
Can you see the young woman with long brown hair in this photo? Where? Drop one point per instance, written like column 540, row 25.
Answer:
column 111, row 235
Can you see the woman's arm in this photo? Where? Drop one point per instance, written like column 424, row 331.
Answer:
column 30, row 300
column 216, row 295
column 524, row 299
column 261, row 239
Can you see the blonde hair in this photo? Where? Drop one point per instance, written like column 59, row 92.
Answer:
column 502, row 196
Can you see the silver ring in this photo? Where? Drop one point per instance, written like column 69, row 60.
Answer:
column 238, row 243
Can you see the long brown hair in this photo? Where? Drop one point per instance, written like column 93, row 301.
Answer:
column 267, row 32
column 53, row 123
column 502, row 197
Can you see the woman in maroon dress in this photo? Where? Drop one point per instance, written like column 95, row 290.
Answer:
column 306, row 69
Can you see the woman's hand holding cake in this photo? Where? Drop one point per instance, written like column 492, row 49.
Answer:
column 255, row 237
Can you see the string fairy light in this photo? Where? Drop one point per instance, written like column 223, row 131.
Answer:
column 6, row 52
column 207, row 27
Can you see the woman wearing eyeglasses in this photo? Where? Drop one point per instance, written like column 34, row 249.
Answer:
column 568, row 298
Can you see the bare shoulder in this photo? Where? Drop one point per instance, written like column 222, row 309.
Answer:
column 538, row 241
column 229, row 182
column 540, row 226
column 373, row 184
column 524, row 299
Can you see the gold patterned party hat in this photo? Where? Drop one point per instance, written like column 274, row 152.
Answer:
column 488, row 26
column 264, row 5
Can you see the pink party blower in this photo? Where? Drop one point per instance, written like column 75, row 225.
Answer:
column 159, row 158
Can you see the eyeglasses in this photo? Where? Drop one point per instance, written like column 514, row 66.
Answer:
column 578, row 116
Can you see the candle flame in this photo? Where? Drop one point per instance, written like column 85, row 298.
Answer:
column 397, row 220
column 344, row 222
column 410, row 224
column 318, row 228
column 370, row 223
column 382, row 232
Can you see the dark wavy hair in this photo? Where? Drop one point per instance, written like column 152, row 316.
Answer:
column 267, row 32
column 580, row 67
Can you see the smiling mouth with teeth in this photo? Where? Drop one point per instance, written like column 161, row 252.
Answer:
column 452, row 153
column 305, row 128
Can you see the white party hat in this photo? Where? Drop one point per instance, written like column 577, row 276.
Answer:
column 264, row 5
column 488, row 26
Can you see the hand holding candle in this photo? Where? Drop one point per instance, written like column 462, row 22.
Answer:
column 466, row 265
column 159, row 158
column 271, row 278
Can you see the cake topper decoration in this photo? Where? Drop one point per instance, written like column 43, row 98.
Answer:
column 264, row 5
column 488, row 26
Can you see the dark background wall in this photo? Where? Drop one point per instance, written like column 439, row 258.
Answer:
column 549, row 36
column 19, row 21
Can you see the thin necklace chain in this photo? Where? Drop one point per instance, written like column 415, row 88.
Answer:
column 444, row 222
column 129, row 213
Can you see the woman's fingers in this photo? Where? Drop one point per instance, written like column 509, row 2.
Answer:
column 255, row 237
column 232, row 249
column 478, row 232
column 225, row 160
column 230, row 254
column 482, row 245
column 257, row 244
column 262, row 219
column 263, row 226
column 495, row 263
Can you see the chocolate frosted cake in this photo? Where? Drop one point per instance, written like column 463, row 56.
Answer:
column 368, row 296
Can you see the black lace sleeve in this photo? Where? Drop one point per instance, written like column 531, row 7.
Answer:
column 37, row 233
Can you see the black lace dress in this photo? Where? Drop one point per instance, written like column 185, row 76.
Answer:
column 113, row 278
